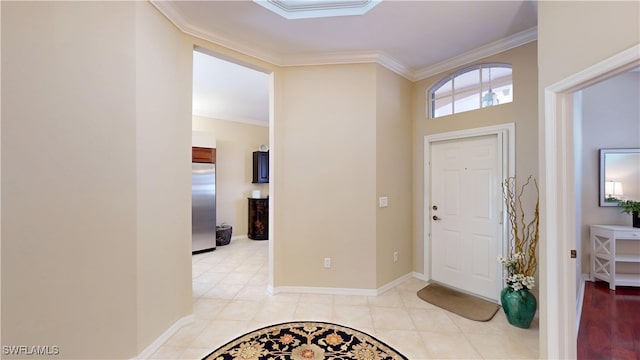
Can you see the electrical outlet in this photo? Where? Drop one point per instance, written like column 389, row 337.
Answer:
column 395, row 256
column 327, row 263
column 383, row 201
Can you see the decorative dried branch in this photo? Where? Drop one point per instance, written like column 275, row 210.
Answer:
column 524, row 234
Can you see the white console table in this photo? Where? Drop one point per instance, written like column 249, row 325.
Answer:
column 605, row 256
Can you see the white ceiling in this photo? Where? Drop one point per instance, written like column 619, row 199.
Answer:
column 413, row 38
column 227, row 91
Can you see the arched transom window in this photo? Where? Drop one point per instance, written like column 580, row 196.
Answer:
column 471, row 88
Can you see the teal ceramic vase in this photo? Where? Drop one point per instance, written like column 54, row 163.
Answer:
column 519, row 306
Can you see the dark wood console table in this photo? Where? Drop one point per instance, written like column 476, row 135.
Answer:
column 258, row 219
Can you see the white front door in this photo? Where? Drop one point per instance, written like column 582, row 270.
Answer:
column 466, row 229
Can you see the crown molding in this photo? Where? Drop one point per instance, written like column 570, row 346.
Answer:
column 231, row 44
column 183, row 25
column 227, row 117
column 169, row 12
column 354, row 57
column 301, row 59
column 515, row 40
column 348, row 57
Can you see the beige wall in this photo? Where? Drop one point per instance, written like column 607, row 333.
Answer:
column 572, row 36
column 522, row 111
column 325, row 168
column 69, row 177
column 163, row 156
column 95, row 206
column 0, row 175
column 393, row 175
column 235, row 144
column 341, row 137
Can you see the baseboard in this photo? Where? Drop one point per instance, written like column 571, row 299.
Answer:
column 154, row 346
column 323, row 290
column 420, row 276
column 394, row 283
column 339, row 291
column 580, row 300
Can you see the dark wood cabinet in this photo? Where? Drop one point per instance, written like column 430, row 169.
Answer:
column 260, row 167
column 203, row 155
column 258, row 219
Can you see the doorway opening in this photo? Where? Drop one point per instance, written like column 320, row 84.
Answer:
column 558, row 168
column 232, row 111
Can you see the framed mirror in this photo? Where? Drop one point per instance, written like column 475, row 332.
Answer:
column 619, row 176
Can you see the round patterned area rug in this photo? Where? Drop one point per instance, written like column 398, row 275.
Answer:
column 305, row 340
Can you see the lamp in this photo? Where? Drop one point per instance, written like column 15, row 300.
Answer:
column 490, row 98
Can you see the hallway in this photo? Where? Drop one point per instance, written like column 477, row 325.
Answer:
column 230, row 298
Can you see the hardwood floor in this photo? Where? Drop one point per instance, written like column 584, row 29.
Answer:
column 610, row 323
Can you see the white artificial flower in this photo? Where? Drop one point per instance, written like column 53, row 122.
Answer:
column 516, row 281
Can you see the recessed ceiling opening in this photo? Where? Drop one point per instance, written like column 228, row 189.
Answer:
column 291, row 9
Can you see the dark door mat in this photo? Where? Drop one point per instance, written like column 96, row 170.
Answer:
column 468, row 306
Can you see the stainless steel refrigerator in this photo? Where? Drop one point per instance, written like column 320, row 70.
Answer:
column 203, row 207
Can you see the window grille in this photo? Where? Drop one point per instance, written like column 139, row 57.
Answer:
column 471, row 88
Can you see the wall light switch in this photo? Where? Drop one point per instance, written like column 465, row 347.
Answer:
column 383, row 201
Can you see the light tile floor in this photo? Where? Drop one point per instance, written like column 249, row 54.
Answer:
column 230, row 298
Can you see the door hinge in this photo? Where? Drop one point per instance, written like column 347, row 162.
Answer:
column 574, row 254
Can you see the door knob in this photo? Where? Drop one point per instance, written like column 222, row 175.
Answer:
column 434, row 207
column 436, row 218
